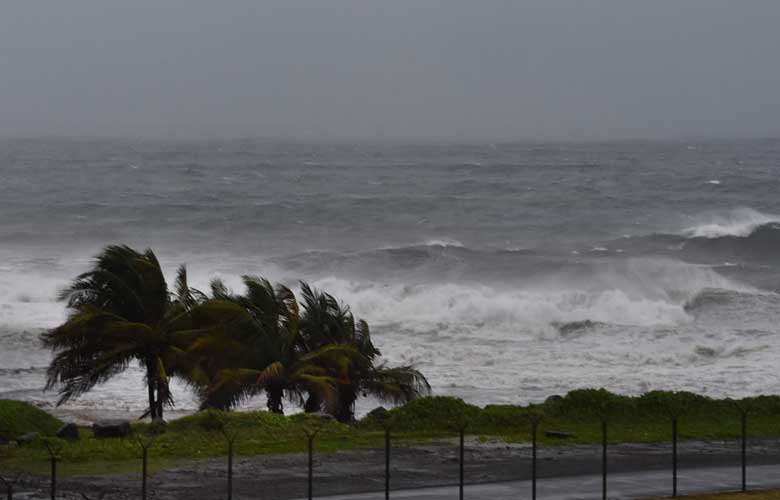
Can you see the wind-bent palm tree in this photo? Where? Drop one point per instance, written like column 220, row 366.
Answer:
column 269, row 356
column 325, row 321
column 121, row 311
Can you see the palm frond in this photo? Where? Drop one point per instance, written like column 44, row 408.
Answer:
column 185, row 295
column 231, row 387
column 219, row 290
column 398, row 384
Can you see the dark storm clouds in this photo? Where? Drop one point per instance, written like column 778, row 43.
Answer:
column 439, row 69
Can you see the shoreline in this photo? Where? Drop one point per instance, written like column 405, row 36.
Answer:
column 86, row 416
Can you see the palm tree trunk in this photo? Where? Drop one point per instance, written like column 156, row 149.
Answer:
column 345, row 410
column 274, row 396
column 162, row 396
column 313, row 404
column 152, row 404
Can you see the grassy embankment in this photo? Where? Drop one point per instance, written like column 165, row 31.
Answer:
column 631, row 419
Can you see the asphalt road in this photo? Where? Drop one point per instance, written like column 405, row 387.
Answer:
column 639, row 484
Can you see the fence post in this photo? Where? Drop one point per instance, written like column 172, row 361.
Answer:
column 462, row 431
column 676, row 405
column 9, row 488
column 230, row 470
column 743, row 415
column 54, row 448
column 144, row 470
column 221, row 421
column 674, row 457
column 230, row 437
column 310, row 435
column 311, row 463
column 53, row 477
column 743, row 407
column 535, row 420
column 144, row 444
column 533, row 463
column 604, row 459
column 387, row 463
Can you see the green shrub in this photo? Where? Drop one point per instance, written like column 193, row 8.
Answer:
column 438, row 413
column 18, row 417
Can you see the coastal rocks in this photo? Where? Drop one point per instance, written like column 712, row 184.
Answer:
column 69, row 432
column 559, row 435
column 379, row 413
column 574, row 327
column 111, row 429
column 26, row 439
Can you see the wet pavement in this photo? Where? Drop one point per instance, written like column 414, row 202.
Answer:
column 640, row 484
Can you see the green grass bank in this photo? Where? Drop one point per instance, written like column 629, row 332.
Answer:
column 630, row 419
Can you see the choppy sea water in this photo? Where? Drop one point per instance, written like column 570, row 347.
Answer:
column 505, row 272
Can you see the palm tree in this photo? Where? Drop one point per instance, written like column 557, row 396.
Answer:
column 121, row 311
column 268, row 356
column 325, row 321
column 398, row 385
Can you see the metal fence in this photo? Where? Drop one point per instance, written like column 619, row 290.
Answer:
column 145, row 445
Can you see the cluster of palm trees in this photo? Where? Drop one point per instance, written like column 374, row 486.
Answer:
column 227, row 346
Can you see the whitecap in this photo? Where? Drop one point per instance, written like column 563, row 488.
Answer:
column 738, row 222
column 443, row 242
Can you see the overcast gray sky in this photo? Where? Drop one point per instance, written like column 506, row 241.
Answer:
column 400, row 69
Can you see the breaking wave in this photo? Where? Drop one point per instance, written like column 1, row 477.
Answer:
column 754, row 237
column 739, row 222
column 640, row 292
column 762, row 243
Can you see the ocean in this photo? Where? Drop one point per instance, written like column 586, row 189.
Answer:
column 505, row 272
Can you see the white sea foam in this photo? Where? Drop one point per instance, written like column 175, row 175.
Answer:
column 433, row 242
column 28, row 300
column 443, row 242
column 738, row 222
column 505, row 341
column 636, row 292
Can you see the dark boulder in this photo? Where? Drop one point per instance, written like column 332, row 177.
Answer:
column 379, row 413
column 26, row 439
column 111, row 429
column 559, row 435
column 69, row 431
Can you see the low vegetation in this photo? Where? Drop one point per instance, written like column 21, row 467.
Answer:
column 17, row 418
column 631, row 419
